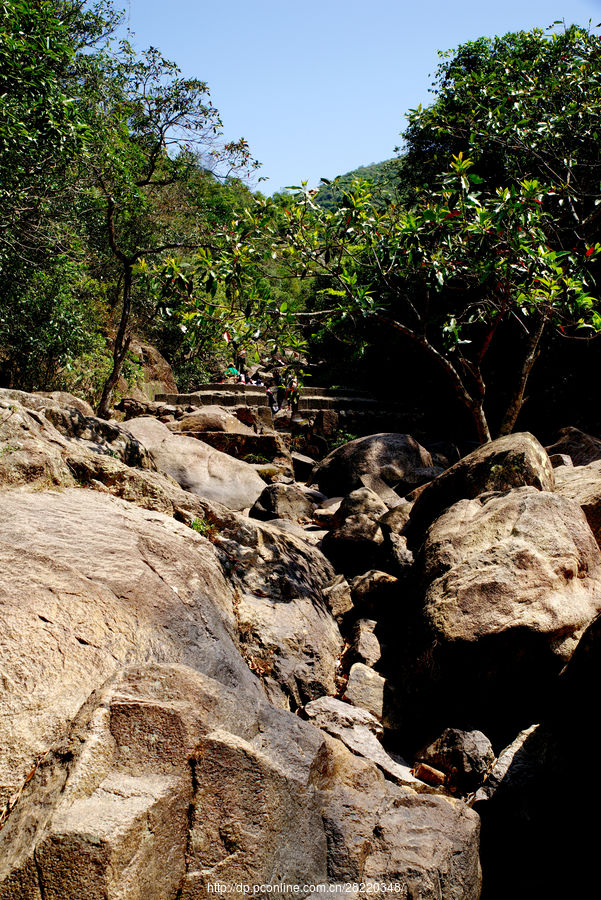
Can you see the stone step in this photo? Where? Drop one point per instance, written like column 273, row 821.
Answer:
column 249, row 391
column 312, row 400
column 305, row 390
column 216, row 398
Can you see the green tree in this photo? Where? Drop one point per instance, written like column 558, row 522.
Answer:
column 43, row 134
column 106, row 173
column 40, row 127
column 496, row 261
column 241, row 286
column 450, row 275
column 43, row 327
column 525, row 105
column 145, row 119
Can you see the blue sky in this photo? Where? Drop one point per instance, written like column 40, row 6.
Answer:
column 320, row 87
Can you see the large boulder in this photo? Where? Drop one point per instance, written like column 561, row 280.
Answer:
column 294, row 646
column 582, row 448
column 64, row 398
column 389, row 456
column 168, row 782
column 287, row 631
column 196, row 466
column 28, row 456
column 583, row 484
column 265, row 448
column 146, row 749
column 509, row 462
column 510, row 583
column 91, row 583
column 38, row 435
column 378, row 831
column 139, row 756
column 130, row 576
column 164, row 771
column 209, row 418
column 99, row 436
column 284, row 501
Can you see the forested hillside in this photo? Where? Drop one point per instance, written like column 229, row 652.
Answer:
column 461, row 265
column 385, row 178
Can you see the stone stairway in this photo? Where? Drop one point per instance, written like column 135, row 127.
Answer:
column 312, row 399
column 330, row 410
column 219, row 395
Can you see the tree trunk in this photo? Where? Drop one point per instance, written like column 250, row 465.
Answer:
column 122, row 341
column 517, row 400
column 479, row 417
column 474, row 404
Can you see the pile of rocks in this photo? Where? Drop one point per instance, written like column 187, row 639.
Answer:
column 209, row 676
column 469, row 606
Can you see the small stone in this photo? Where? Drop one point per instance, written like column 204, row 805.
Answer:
column 355, row 546
column 465, row 757
column 303, row 466
column 366, row 646
column 418, row 478
column 334, row 715
column 374, row 592
column 377, row 484
column 359, row 731
column 283, row 501
column 399, row 558
column 582, row 448
column 365, row 688
column 338, row 597
column 324, row 518
column 362, row 502
column 395, row 519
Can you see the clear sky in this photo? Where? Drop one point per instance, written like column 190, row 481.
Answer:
column 319, row 87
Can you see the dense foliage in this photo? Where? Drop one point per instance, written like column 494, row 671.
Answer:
column 496, row 250
column 122, row 213
column 112, row 175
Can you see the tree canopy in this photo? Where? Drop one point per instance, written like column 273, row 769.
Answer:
column 497, row 248
column 526, row 105
column 121, row 210
column 106, row 164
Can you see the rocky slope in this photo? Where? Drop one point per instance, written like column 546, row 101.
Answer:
column 316, row 693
